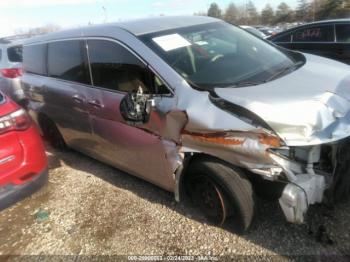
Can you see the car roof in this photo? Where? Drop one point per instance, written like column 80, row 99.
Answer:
column 156, row 24
column 330, row 21
column 136, row 27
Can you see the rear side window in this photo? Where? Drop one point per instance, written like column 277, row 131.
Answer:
column 1, row 98
column 314, row 34
column 34, row 59
column 66, row 61
column 14, row 54
column 115, row 68
column 343, row 33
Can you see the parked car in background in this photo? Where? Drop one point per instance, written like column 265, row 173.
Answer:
column 254, row 31
column 198, row 107
column 23, row 163
column 11, row 69
column 329, row 38
column 268, row 31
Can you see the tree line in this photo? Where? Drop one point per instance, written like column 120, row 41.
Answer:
column 306, row 11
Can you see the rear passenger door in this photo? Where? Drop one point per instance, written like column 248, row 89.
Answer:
column 66, row 97
column 342, row 51
column 318, row 40
column 115, row 73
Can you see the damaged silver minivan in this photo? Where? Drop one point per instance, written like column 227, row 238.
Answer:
column 198, row 107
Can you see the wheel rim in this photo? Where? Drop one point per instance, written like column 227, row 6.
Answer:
column 210, row 199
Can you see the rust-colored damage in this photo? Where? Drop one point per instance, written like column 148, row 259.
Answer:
column 225, row 138
column 272, row 141
column 219, row 138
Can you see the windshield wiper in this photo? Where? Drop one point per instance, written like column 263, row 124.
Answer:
column 284, row 71
column 246, row 83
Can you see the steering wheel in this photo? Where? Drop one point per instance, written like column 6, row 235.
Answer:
column 215, row 58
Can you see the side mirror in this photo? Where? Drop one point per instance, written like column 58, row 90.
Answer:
column 136, row 108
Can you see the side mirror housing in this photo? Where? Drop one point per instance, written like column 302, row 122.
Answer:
column 136, row 108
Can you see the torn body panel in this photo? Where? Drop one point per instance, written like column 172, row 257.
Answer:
column 285, row 129
column 302, row 112
column 271, row 144
column 239, row 148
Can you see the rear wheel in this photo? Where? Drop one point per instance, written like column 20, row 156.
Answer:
column 222, row 192
column 51, row 133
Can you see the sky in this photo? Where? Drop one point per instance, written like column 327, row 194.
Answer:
column 24, row 14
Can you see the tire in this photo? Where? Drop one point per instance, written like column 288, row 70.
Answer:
column 232, row 187
column 267, row 190
column 51, row 133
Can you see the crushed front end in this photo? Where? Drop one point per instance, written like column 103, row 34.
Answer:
column 315, row 174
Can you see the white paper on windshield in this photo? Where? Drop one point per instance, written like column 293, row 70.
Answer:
column 202, row 43
column 171, row 42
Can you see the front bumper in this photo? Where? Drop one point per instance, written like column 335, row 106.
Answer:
column 10, row 194
column 324, row 179
column 307, row 189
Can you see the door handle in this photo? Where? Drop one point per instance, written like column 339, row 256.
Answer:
column 78, row 99
column 95, row 103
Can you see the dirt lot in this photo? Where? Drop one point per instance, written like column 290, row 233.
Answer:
column 91, row 208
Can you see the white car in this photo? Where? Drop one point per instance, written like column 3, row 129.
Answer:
column 11, row 69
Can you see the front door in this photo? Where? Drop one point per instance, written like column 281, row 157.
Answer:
column 117, row 73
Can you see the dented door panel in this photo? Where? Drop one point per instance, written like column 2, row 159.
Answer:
column 293, row 129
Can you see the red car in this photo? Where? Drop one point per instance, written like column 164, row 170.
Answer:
column 23, row 162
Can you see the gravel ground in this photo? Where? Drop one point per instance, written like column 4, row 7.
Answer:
column 92, row 209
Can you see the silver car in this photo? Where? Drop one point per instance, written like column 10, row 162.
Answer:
column 11, row 69
column 200, row 108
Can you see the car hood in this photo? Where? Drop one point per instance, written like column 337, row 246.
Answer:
column 306, row 107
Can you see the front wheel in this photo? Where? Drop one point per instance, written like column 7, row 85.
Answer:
column 222, row 192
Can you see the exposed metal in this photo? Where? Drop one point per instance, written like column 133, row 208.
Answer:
column 294, row 117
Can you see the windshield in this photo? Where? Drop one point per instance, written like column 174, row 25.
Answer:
column 218, row 55
column 255, row 32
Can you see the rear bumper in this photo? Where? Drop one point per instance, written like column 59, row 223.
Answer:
column 11, row 194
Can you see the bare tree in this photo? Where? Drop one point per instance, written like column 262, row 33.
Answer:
column 303, row 11
column 252, row 13
column 284, row 13
column 333, row 9
column 267, row 15
column 48, row 28
column 231, row 14
column 214, row 10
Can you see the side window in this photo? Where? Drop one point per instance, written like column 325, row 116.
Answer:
column 314, row 34
column 0, row 54
column 34, row 59
column 14, row 53
column 116, row 68
column 66, row 61
column 286, row 38
column 343, row 33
